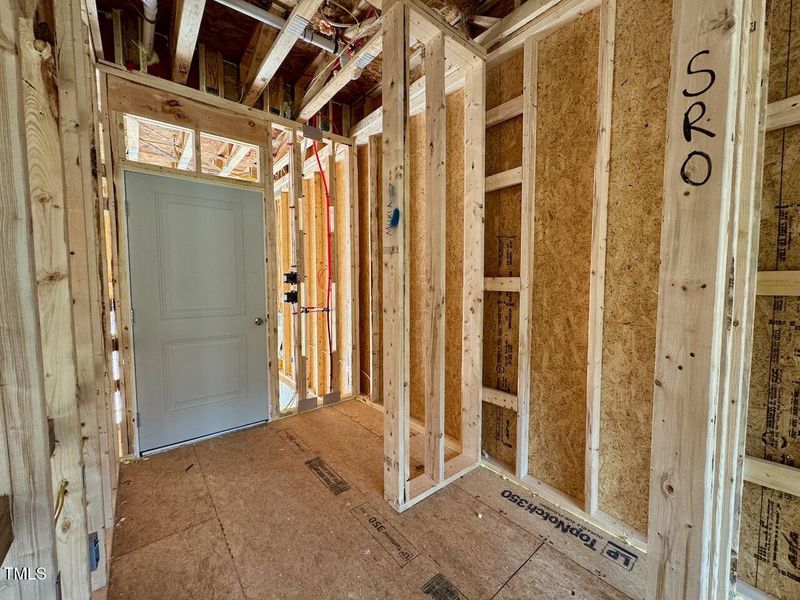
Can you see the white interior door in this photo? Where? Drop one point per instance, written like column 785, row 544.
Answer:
column 196, row 255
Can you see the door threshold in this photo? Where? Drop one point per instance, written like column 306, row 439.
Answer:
column 202, row 438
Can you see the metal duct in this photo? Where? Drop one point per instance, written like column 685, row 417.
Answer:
column 273, row 20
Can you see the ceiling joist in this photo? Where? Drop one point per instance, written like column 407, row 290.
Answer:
column 295, row 26
column 186, row 19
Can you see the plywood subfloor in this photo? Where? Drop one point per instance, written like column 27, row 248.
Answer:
column 245, row 516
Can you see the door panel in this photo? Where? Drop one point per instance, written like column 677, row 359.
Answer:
column 196, row 254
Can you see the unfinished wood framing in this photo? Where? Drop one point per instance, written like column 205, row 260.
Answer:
column 25, row 474
column 400, row 20
column 296, row 205
column 375, row 210
column 186, row 18
column 526, row 274
column 694, row 338
column 575, row 222
column 271, row 252
column 51, row 261
column 296, row 23
column 594, row 371
column 310, row 105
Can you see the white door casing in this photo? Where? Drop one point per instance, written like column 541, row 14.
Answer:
column 196, row 256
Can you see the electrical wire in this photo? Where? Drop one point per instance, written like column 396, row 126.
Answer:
column 328, row 264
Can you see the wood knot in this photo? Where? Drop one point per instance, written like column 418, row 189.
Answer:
column 52, row 277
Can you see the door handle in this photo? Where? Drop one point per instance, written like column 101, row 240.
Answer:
column 259, row 321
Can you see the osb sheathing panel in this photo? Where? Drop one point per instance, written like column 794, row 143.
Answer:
column 454, row 263
column 770, row 529
column 420, row 305
column 417, row 263
column 502, row 259
column 565, row 156
column 364, row 298
column 504, row 140
column 638, row 134
column 772, row 558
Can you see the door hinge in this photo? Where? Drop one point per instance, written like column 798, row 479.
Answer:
column 133, row 320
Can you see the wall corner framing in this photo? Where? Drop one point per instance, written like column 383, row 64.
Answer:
column 444, row 44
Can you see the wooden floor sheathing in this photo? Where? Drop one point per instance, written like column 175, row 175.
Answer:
column 294, row 509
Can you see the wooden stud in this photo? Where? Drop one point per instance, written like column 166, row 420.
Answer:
column 77, row 122
column 296, row 202
column 433, row 334
column 396, row 200
column 272, row 275
column 594, row 370
column 94, row 27
column 376, row 266
column 692, row 333
column 124, row 310
column 474, row 205
column 51, row 259
column 743, row 233
column 526, row 278
column 25, row 464
column 116, row 20
column 333, row 383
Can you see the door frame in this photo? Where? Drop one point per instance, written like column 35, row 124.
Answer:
column 124, row 308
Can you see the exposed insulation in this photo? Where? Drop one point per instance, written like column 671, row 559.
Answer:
column 638, row 135
column 364, row 299
column 502, row 259
column 770, row 527
column 565, row 156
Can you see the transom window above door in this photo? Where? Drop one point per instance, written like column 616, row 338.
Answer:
column 174, row 147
